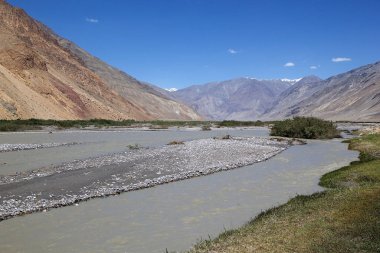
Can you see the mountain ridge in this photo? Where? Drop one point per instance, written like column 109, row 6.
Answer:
column 346, row 96
column 41, row 78
column 353, row 96
column 240, row 99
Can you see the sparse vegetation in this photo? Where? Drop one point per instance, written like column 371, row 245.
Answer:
column 30, row 124
column 206, row 128
column 343, row 218
column 225, row 137
column 305, row 127
column 34, row 124
column 300, row 126
column 234, row 123
column 176, row 143
column 158, row 127
column 134, row 146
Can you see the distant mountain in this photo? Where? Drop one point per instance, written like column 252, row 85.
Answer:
column 45, row 76
column 304, row 88
column 238, row 99
column 354, row 95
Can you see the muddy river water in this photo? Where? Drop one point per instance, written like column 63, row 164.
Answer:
column 171, row 216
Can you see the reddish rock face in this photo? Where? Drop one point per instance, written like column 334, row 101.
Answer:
column 41, row 77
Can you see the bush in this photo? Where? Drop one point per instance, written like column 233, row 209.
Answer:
column 305, row 127
column 206, row 128
column 234, row 123
column 134, row 146
column 176, row 143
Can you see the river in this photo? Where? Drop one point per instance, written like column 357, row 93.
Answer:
column 171, row 216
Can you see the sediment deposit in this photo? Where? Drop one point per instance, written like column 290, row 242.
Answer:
column 69, row 183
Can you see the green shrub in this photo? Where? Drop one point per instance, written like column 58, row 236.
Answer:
column 234, row 123
column 206, row 128
column 305, row 127
column 176, row 143
column 134, row 146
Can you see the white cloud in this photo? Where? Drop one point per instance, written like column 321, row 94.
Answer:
column 232, row 51
column 92, row 20
column 313, row 67
column 289, row 64
column 341, row 59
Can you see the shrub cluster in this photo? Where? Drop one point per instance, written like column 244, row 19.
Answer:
column 17, row 125
column 305, row 127
column 234, row 123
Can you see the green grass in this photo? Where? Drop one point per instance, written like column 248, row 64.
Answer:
column 305, row 127
column 343, row 218
column 369, row 145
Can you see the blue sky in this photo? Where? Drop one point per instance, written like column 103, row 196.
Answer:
column 177, row 43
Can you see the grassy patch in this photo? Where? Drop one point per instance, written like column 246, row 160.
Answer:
column 305, row 127
column 344, row 218
column 369, row 145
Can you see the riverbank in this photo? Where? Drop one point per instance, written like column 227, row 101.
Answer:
column 343, row 218
column 55, row 125
column 72, row 182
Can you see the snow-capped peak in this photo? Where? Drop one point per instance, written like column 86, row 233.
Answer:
column 292, row 81
column 171, row 89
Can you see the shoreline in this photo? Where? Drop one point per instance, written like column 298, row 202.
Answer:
column 354, row 188
column 49, row 130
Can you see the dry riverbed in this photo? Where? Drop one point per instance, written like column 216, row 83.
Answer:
column 70, row 183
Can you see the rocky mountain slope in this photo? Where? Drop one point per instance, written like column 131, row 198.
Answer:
column 45, row 76
column 354, row 95
column 238, row 99
column 296, row 93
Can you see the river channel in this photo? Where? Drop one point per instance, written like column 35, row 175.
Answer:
column 171, row 216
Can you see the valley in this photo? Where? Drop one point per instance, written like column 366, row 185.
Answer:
column 189, row 126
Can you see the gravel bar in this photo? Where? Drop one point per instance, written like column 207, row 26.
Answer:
column 18, row 147
column 70, row 183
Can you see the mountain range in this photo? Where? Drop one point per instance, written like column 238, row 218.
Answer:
column 45, row 76
column 352, row 96
column 238, row 99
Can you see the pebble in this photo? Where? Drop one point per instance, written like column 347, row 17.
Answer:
column 17, row 147
column 150, row 167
